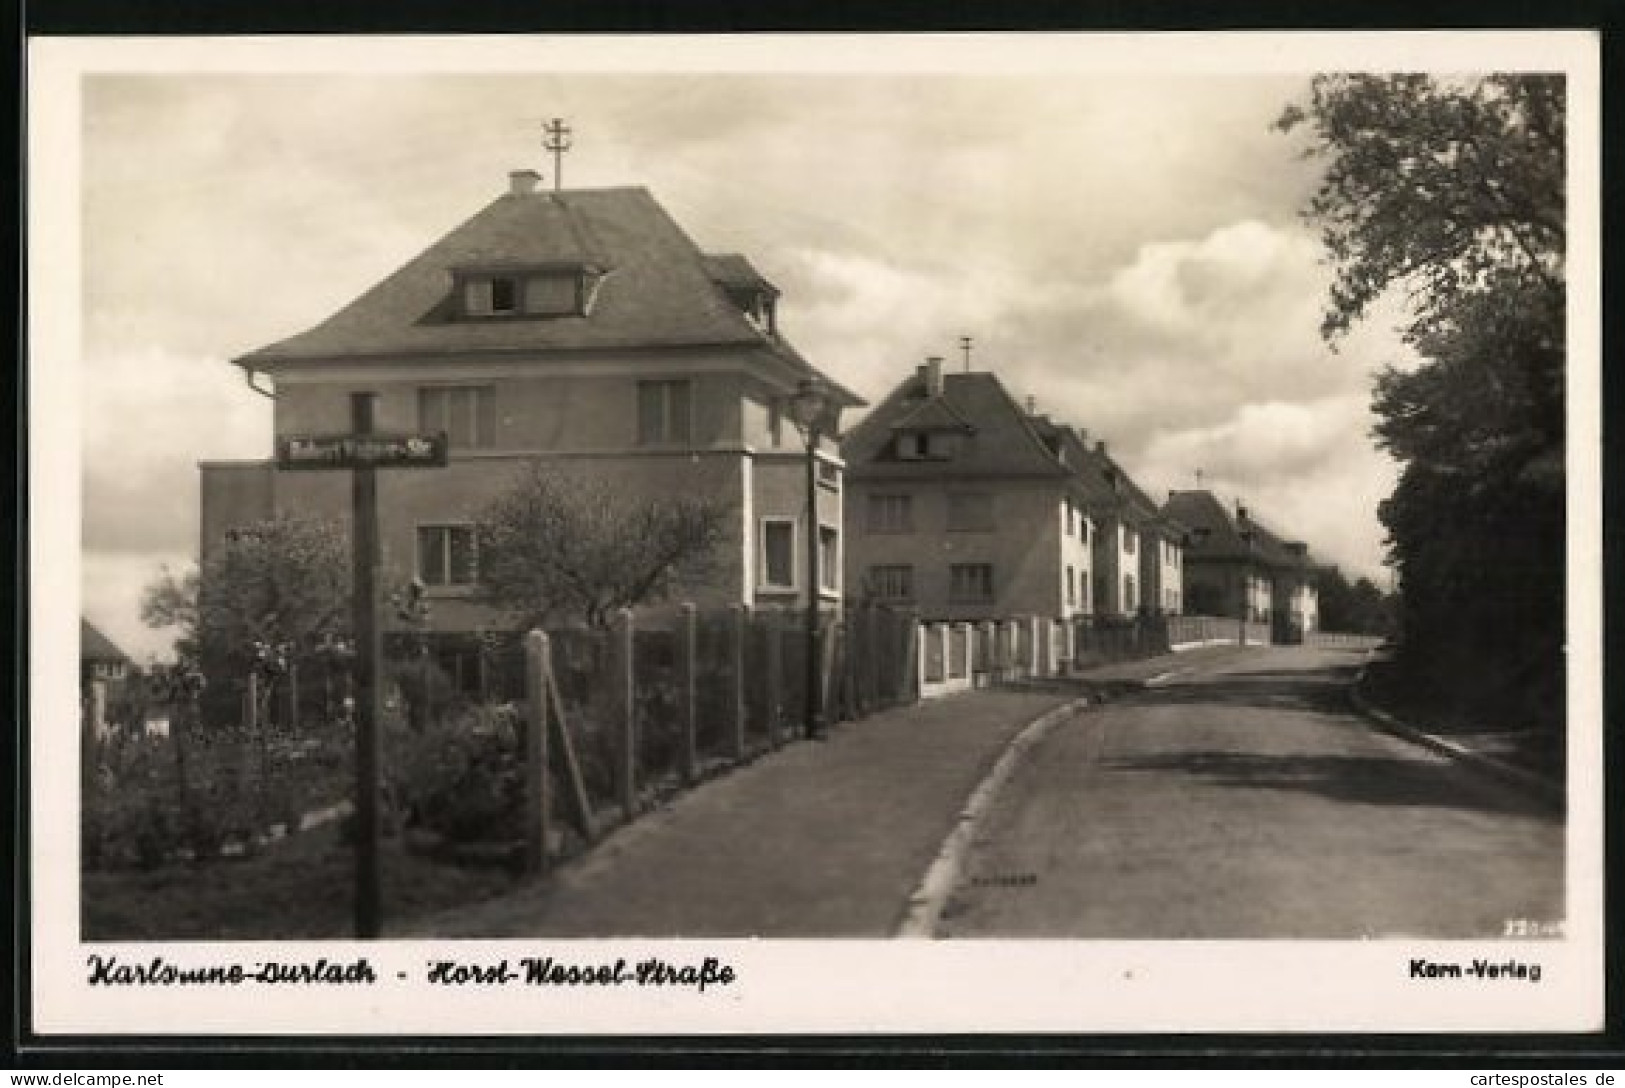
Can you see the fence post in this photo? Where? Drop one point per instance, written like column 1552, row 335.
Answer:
column 622, row 677
column 687, row 680
column 921, row 639
column 537, row 768
column 772, row 630
column 831, row 648
column 913, row 653
column 737, row 635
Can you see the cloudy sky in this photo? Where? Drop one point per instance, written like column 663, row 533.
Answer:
column 1126, row 249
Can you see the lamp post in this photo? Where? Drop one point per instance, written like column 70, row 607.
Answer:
column 809, row 409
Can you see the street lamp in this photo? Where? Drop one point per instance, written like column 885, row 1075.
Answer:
column 809, row 408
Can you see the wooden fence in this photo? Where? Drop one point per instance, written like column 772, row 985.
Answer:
column 615, row 720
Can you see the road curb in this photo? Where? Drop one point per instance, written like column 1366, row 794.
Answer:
column 1540, row 786
column 926, row 904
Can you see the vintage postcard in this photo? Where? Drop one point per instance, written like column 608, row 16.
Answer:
column 957, row 533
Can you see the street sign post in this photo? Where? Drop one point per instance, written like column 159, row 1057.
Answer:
column 362, row 452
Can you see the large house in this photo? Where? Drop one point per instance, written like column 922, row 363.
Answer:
column 969, row 506
column 1237, row 567
column 579, row 329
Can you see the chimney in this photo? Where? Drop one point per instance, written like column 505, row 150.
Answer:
column 931, row 375
column 1083, row 435
column 1032, row 405
column 1241, row 512
column 1100, row 448
column 523, row 182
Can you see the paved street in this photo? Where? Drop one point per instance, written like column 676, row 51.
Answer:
column 1242, row 798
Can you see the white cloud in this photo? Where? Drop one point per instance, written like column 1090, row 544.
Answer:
column 1126, row 250
column 149, row 417
column 112, row 585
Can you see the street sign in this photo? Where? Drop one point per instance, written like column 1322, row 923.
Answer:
column 353, row 451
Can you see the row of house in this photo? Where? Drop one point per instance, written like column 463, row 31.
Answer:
column 968, row 506
column 586, row 330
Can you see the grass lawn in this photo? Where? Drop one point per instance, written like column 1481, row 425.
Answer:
column 298, row 889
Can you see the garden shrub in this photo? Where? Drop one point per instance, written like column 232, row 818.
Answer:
column 158, row 799
column 461, row 777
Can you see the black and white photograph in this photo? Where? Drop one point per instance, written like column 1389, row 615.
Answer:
column 1011, row 532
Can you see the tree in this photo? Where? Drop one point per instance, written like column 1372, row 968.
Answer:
column 551, row 548
column 280, row 582
column 171, row 602
column 1442, row 188
column 1451, row 192
column 1356, row 608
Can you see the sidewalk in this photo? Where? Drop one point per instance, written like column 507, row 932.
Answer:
column 1135, row 673
column 1500, row 754
column 820, row 839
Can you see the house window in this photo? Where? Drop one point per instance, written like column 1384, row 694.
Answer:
column 778, row 553
column 970, row 583
column 913, row 447
column 1083, row 528
column 467, row 413
column 829, row 558
column 970, row 512
column 775, row 421
column 1130, row 603
column 1071, row 527
column 664, row 413
column 546, row 294
column 891, row 513
column 504, row 294
column 1128, row 540
column 553, row 295
column 447, row 555
column 1071, row 586
column 892, row 583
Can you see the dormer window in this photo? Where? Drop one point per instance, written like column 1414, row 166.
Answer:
column 927, row 445
column 552, row 291
column 761, row 313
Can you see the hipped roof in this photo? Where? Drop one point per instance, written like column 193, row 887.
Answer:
column 1000, row 441
column 1216, row 532
column 656, row 289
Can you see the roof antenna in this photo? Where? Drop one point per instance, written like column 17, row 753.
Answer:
column 556, row 138
column 964, row 346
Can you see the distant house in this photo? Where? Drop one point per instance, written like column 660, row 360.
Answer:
column 1136, row 548
column 962, row 506
column 99, row 659
column 103, row 671
column 1237, row 567
column 580, row 329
